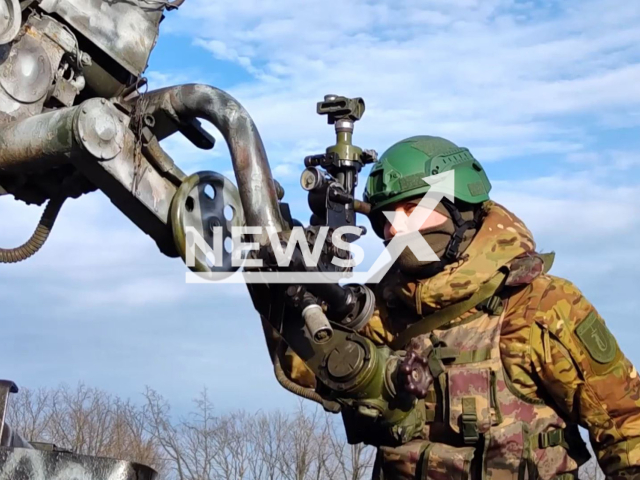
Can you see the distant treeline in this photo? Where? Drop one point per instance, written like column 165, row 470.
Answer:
column 306, row 443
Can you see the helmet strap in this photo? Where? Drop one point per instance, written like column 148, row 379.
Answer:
column 461, row 226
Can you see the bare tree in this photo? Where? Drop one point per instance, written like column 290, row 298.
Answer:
column 352, row 462
column 30, row 413
column 201, row 445
column 86, row 421
column 306, row 444
column 303, row 445
column 267, row 434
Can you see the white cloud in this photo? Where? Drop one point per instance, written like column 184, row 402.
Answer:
column 578, row 211
column 222, row 52
column 496, row 75
column 606, row 161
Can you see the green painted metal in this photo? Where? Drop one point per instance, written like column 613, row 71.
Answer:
column 399, row 173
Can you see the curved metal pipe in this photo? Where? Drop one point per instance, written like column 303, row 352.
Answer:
column 251, row 166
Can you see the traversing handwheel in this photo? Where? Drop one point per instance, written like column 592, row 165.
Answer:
column 205, row 209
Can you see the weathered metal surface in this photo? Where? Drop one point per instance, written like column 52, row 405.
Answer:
column 31, row 464
column 27, row 73
column 55, row 32
column 101, row 129
column 136, row 188
column 27, row 69
column 160, row 159
column 10, row 16
column 124, row 30
column 44, row 140
column 64, row 92
column 37, row 143
column 249, row 158
column 95, row 138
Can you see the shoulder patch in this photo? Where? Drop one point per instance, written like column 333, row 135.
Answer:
column 524, row 270
column 597, row 339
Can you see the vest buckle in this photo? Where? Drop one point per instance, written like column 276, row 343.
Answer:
column 469, row 421
column 553, row 438
column 492, row 305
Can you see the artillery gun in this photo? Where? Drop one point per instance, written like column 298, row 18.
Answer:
column 74, row 119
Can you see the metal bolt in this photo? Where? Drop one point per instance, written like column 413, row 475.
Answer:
column 103, row 101
column 106, row 129
column 84, row 110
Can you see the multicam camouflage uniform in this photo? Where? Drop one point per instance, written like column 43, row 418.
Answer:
column 519, row 376
column 522, row 376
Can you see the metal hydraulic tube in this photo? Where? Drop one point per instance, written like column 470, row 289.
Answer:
column 250, row 163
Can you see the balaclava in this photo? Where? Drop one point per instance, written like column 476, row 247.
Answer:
column 441, row 239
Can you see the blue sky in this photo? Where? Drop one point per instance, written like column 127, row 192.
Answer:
column 544, row 93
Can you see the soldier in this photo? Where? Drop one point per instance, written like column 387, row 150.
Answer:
column 525, row 358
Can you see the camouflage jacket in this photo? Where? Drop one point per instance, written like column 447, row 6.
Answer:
column 554, row 348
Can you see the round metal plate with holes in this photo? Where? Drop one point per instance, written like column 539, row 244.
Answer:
column 203, row 212
column 26, row 73
column 10, row 18
column 101, row 129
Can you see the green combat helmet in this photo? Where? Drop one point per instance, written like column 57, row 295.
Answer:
column 399, row 173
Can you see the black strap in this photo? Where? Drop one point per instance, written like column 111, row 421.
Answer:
column 451, row 252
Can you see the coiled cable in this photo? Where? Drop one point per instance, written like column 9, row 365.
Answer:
column 39, row 237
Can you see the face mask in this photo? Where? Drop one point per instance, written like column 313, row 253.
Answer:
column 438, row 238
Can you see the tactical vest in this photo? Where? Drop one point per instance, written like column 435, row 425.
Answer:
column 478, row 425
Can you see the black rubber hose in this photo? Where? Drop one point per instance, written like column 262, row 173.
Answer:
column 39, row 237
